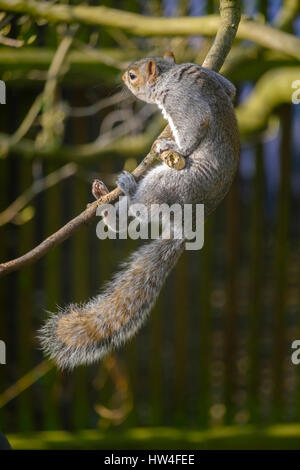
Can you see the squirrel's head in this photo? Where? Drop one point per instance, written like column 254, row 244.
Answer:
column 142, row 75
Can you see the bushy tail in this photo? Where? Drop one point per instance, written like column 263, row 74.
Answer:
column 81, row 334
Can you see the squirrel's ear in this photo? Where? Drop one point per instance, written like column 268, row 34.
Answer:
column 168, row 55
column 152, row 71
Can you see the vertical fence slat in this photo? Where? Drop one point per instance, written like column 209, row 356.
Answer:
column 4, row 377
column 80, row 272
column 256, row 286
column 80, row 294
column 156, row 352
column 53, row 220
column 232, row 256
column 181, row 331
column 25, row 309
column 281, row 256
column 132, row 356
column 205, row 325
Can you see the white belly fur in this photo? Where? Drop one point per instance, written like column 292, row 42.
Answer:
column 170, row 121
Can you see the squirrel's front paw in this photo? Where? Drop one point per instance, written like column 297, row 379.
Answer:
column 161, row 145
column 127, row 183
column 99, row 189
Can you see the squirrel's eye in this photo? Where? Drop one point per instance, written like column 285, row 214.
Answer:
column 132, row 76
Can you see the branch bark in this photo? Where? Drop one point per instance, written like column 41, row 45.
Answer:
column 230, row 14
column 70, row 228
column 86, row 216
column 141, row 25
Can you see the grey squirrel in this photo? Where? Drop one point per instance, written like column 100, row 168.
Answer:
column 197, row 104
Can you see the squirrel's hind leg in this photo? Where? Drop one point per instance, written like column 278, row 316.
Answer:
column 99, row 189
column 127, row 183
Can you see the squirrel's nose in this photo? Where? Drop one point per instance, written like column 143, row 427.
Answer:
column 123, row 76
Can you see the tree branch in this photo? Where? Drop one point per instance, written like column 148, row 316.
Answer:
column 230, row 14
column 11, row 42
column 37, row 187
column 253, row 113
column 47, row 97
column 152, row 26
column 86, row 216
column 70, row 228
column 29, row 64
column 287, row 13
column 34, row 61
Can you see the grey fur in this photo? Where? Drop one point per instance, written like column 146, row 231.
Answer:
column 198, row 105
column 127, row 183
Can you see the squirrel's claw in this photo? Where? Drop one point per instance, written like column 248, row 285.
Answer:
column 99, row 189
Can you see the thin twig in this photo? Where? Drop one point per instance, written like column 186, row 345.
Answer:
column 46, row 96
column 52, row 115
column 100, row 55
column 25, row 382
column 96, row 107
column 37, row 187
column 27, row 121
column 10, row 42
column 55, row 67
column 128, row 125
